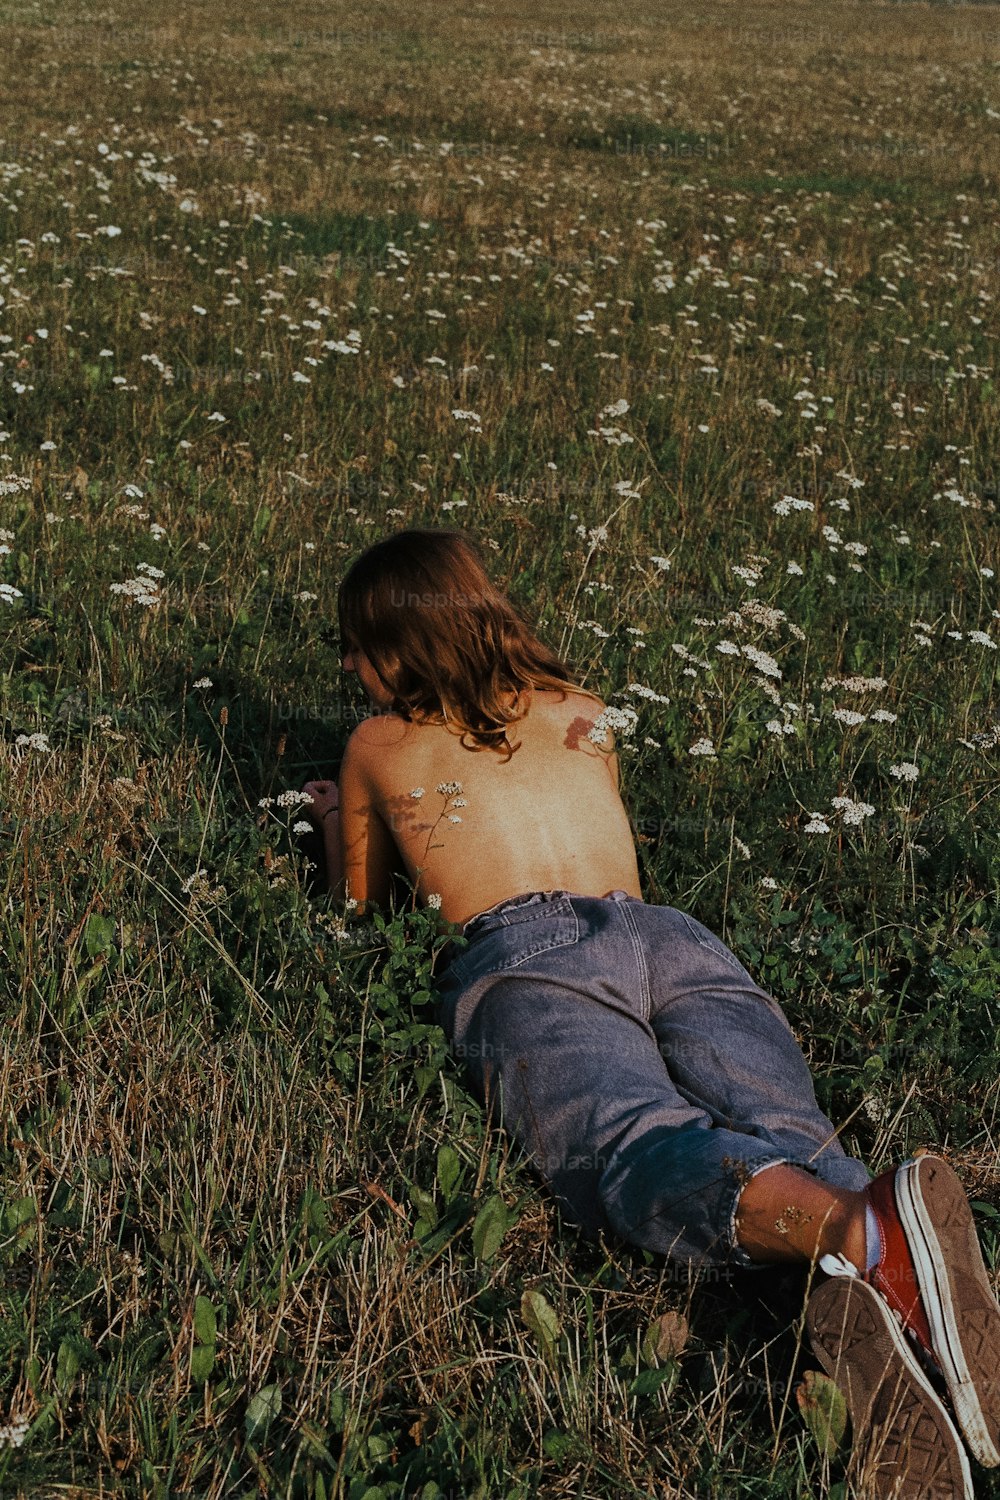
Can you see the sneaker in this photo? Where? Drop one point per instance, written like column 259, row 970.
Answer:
column 894, row 1275
column 905, row 1446
column 930, row 1272
column 957, row 1297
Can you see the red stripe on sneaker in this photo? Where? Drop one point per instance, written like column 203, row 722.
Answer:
column 894, row 1275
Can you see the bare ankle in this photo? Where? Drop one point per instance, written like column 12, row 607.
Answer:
column 847, row 1235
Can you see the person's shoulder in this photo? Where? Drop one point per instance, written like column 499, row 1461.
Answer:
column 376, row 734
column 585, row 698
column 572, row 700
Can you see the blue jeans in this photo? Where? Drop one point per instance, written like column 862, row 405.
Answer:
column 638, row 1064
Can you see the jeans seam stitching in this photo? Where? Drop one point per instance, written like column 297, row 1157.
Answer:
column 731, row 960
column 640, row 962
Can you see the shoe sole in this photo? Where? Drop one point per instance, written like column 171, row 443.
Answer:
column 905, row 1444
column 957, row 1297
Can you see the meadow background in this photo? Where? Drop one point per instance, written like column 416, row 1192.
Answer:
column 688, row 315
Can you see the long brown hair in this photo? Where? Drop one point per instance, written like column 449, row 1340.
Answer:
column 446, row 642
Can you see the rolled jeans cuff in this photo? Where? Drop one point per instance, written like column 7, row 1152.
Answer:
column 738, row 1256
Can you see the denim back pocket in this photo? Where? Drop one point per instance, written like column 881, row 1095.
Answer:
column 708, row 939
column 523, row 932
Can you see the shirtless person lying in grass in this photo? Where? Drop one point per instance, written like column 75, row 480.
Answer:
column 657, row 1088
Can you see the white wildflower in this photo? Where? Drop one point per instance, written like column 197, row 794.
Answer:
column 817, row 824
column 788, row 503
column 703, row 747
column 851, row 811
column 854, row 684
column 762, row 661
column 203, row 682
column 905, row 771
column 623, row 720
column 14, row 1432
column 141, row 589
column 417, row 793
column 293, row 799
column 646, row 692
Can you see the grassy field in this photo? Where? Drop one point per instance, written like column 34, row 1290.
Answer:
column 690, row 318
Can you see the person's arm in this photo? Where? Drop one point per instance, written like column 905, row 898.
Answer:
column 367, row 855
column 323, row 812
column 615, row 770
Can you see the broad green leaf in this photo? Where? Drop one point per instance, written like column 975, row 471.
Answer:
column 492, row 1223
column 98, row 935
column 448, row 1170
column 649, row 1381
column 19, row 1212
column 67, row 1363
column 823, row 1409
column 559, row 1445
column 204, row 1321
column 262, row 1410
column 540, row 1316
column 202, row 1360
column 425, row 1202
column 665, row 1337
column 424, row 1078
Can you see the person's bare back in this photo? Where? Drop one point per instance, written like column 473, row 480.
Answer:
column 549, row 818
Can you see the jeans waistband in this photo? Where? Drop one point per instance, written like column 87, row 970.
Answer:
column 528, row 898
column 483, row 920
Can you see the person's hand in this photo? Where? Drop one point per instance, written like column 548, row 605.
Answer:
column 325, row 800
